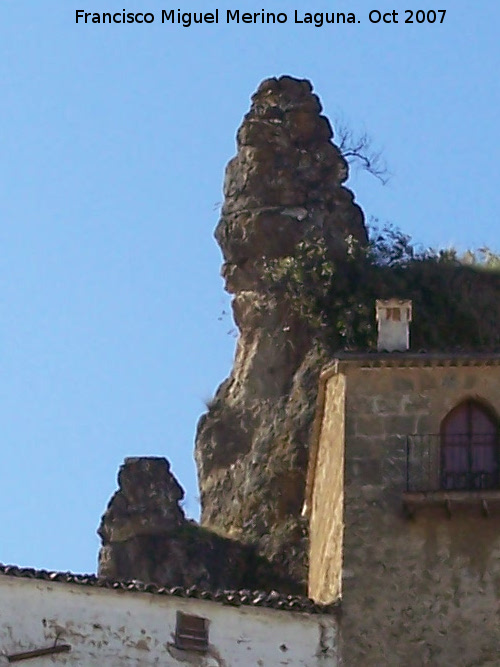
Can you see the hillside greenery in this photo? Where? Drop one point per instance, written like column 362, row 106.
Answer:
column 456, row 297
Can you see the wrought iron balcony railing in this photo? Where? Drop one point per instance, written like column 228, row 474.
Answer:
column 452, row 462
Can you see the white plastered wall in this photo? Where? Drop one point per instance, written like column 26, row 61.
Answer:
column 108, row 628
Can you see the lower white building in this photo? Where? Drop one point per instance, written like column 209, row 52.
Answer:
column 64, row 619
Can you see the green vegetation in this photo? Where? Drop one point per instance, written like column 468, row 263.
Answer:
column 456, row 298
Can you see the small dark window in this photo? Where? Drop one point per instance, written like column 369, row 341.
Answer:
column 469, row 448
column 191, row 632
column 394, row 314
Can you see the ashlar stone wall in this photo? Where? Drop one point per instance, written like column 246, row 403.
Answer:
column 419, row 591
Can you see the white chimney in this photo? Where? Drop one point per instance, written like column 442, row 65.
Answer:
column 393, row 317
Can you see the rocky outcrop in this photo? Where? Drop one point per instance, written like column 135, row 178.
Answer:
column 284, row 186
column 284, row 195
column 140, row 527
column 146, row 503
column 146, row 537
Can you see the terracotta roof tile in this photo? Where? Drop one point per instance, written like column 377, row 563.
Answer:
column 270, row 599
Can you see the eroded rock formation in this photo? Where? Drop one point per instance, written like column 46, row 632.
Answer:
column 145, row 536
column 141, row 525
column 285, row 185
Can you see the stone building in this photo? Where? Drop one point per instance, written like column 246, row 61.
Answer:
column 403, row 496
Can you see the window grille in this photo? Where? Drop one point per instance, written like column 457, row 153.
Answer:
column 464, row 456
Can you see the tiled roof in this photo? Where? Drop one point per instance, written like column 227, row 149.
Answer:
column 270, row 600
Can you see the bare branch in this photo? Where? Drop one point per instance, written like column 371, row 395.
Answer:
column 358, row 150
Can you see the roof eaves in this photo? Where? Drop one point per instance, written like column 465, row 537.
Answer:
column 269, row 600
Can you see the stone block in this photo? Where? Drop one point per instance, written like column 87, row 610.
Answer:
column 392, row 404
column 361, row 404
column 358, row 446
column 365, row 471
column 400, row 425
column 369, row 425
column 394, row 471
column 470, row 382
column 450, row 381
column 427, row 379
column 426, row 425
column 350, row 425
column 372, row 492
column 395, row 446
column 403, row 383
column 416, row 403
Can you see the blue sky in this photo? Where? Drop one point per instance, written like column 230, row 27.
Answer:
column 113, row 145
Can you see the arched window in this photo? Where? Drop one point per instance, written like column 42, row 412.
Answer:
column 469, row 448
